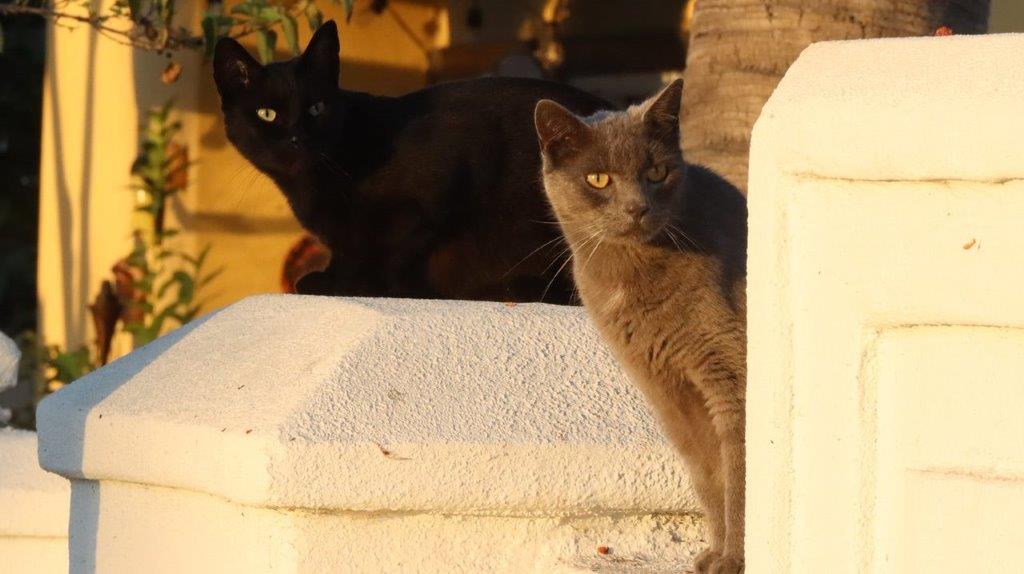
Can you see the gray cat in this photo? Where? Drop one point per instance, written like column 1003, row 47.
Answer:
column 659, row 257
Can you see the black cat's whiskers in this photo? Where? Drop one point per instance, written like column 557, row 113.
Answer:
column 333, row 165
column 238, row 182
column 253, row 176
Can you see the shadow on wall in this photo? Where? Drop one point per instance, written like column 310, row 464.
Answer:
column 73, row 321
column 86, row 495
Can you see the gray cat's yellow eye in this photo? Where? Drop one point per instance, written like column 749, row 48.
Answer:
column 266, row 114
column 316, row 109
column 598, row 180
column 656, row 173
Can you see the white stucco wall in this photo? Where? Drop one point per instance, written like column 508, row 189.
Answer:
column 33, row 509
column 33, row 503
column 290, row 433
column 885, row 325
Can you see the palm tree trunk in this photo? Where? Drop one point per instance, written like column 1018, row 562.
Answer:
column 739, row 50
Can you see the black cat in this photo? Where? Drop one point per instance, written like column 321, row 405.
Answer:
column 435, row 194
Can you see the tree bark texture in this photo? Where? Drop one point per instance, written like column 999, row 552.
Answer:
column 740, row 49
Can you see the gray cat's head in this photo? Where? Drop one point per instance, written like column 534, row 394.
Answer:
column 617, row 174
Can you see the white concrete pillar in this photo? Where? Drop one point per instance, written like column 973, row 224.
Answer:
column 886, row 345
column 307, row 434
column 33, row 509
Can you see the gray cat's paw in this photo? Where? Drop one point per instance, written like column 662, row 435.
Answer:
column 702, row 563
column 726, row 565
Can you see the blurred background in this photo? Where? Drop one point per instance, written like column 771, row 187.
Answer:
column 124, row 211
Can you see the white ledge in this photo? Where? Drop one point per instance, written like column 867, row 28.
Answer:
column 34, row 503
column 375, row 406
column 828, row 115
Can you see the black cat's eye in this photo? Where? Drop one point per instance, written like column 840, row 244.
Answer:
column 266, row 114
column 656, row 173
column 316, row 109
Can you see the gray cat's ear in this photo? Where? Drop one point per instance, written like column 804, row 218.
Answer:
column 662, row 115
column 234, row 68
column 321, row 54
column 559, row 131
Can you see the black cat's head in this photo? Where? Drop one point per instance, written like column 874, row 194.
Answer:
column 278, row 115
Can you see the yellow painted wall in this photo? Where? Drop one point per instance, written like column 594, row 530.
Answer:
column 96, row 92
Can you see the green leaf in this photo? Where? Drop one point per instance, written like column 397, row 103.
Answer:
column 265, row 41
column 187, row 289
column 270, row 14
column 204, row 281
column 349, row 5
column 186, row 316
column 209, row 35
column 135, row 9
column 164, row 286
column 70, row 365
column 202, row 256
column 291, row 33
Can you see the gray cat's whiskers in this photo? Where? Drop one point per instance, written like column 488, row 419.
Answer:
column 568, row 247
column 594, row 235
column 592, row 252
column 545, row 244
column 559, row 238
column 693, row 243
column 672, row 238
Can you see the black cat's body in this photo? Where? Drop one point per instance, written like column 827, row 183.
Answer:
column 435, row 194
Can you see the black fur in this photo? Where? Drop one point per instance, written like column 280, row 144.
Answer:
column 435, row 194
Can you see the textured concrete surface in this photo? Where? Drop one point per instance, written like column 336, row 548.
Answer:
column 885, row 323
column 33, row 509
column 446, row 435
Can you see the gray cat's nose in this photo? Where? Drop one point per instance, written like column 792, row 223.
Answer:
column 637, row 210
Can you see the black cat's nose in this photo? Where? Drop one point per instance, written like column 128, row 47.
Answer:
column 295, row 141
column 637, row 210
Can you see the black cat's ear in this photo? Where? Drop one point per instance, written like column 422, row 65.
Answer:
column 321, row 54
column 560, row 132
column 662, row 115
column 234, row 69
